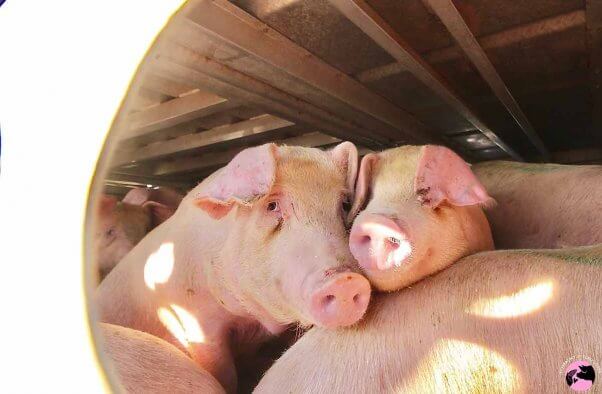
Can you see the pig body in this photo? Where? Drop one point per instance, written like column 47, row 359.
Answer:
column 232, row 266
column 543, row 205
column 120, row 225
column 501, row 321
column 143, row 363
column 420, row 210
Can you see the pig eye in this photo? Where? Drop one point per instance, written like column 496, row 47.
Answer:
column 273, row 207
column 346, row 204
column 110, row 232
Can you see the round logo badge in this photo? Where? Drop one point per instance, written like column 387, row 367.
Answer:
column 580, row 375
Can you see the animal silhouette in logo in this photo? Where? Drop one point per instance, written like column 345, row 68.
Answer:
column 580, row 375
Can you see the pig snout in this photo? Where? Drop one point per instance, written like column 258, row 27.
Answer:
column 341, row 301
column 378, row 243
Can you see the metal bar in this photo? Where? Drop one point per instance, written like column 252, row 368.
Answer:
column 230, row 24
column 181, row 63
column 141, row 180
column 166, row 86
column 455, row 24
column 212, row 159
column 173, row 112
column 497, row 40
column 593, row 12
column 375, row 27
column 259, row 125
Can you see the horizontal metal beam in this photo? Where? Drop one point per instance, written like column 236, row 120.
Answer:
column 213, row 159
column 455, row 24
column 166, row 86
column 173, row 112
column 259, row 125
column 230, row 24
column 142, row 181
column 497, row 40
column 180, row 63
column 360, row 13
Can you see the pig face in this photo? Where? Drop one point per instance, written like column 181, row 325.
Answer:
column 285, row 257
column 422, row 213
column 121, row 225
column 119, row 228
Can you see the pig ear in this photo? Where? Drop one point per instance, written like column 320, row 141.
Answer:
column 159, row 212
column 137, row 196
column 247, row 177
column 106, row 204
column 443, row 175
column 345, row 156
column 362, row 188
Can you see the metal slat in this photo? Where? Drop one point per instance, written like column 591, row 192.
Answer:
column 455, row 24
column 502, row 39
column 180, row 63
column 232, row 25
column 364, row 17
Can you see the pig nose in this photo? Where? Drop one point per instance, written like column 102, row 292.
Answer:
column 342, row 301
column 378, row 243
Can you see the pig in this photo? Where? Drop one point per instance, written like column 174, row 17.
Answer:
column 421, row 210
column 258, row 245
column 543, row 205
column 142, row 363
column 122, row 224
column 493, row 322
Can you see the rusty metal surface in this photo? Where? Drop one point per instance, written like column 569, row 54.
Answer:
column 457, row 27
column 318, row 27
column 546, row 52
column 372, row 24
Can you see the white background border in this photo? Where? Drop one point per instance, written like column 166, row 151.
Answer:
column 64, row 68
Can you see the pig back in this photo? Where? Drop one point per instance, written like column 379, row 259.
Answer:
column 146, row 364
column 543, row 205
column 502, row 321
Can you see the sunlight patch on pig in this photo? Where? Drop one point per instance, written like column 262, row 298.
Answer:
column 399, row 248
column 520, row 303
column 458, row 366
column 181, row 324
column 159, row 265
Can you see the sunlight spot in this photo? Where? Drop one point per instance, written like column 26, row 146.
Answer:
column 159, row 266
column 170, row 321
column 194, row 333
column 457, row 366
column 520, row 303
column 181, row 324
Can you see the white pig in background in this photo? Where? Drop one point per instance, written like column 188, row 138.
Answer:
column 422, row 211
column 256, row 246
column 145, row 364
column 494, row 322
column 120, row 225
column 543, row 205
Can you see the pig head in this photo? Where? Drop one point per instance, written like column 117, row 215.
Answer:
column 122, row 224
column 421, row 212
column 283, row 254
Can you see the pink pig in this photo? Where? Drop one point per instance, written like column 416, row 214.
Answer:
column 543, row 205
column 422, row 211
column 121, row 225
column 506, row 321
column 138, row 362
column 258, row 245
